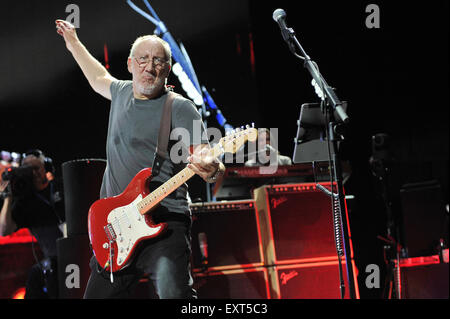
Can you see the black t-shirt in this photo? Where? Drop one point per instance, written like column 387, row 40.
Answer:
column 41, row 212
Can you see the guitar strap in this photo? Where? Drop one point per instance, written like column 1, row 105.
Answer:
column 164, row 133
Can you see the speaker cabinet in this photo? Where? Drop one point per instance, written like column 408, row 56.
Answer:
column 16, row 260
column 296, row 222
column 423, row 278
column 281, row 245
column 82, row 182
column 319, row 280
column 424, row 219
column 297, row 235
column 74, row 254
column 229, row 229
column 238, row 283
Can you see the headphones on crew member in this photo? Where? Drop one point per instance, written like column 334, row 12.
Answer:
column 48, row 162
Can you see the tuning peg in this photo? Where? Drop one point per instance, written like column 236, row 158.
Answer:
column 253, row 125
column 247, row 127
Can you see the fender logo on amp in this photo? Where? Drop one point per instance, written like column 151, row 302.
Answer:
column 278, row 201
column 286, row 277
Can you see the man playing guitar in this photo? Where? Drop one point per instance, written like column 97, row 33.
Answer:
column 134, row 121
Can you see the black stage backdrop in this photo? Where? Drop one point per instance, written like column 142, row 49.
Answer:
column 395, row 79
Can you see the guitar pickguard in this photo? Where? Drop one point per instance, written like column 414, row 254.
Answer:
column 129, row 227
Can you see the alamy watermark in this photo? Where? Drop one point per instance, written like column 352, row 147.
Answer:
column 74, row 16
column 373, row 277
column 262, row 152
column 73, row 276
column 373, row 19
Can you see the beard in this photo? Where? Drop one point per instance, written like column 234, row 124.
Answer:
column 148, row 89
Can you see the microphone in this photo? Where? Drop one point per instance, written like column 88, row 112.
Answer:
column 279, row 15
column 203, row 247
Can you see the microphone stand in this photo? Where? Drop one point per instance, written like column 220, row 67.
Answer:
column 330, row 99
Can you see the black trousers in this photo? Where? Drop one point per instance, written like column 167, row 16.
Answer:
column 165, row 259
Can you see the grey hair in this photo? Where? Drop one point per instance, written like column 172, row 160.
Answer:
column 154, row 37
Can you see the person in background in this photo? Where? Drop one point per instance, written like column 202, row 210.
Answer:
column 266, row 154
column 31, row 200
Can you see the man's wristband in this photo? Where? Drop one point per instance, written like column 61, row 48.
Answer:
column 4, row 195
column 213, row 178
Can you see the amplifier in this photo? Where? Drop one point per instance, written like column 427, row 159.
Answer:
column 74, row 254
column 82, row 182
column 315, row 280
column 424, row 220
column 423, row 277
column 16, row 260
column 238, row 182
column 228, row 232
column 238, row 283
column 296, row 222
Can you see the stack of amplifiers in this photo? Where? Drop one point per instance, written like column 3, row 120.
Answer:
column 296, row 225
column 280, row 245
column 234, row 266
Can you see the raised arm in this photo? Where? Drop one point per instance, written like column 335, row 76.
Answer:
column 98, row 77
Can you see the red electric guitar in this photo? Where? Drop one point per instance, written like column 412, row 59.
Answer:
column 118, row 224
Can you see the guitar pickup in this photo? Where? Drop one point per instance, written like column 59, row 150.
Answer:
column 110, row 233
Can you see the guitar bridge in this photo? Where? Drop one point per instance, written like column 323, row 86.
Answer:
column 110, row 233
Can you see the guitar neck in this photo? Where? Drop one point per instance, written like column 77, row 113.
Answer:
column 171, row 185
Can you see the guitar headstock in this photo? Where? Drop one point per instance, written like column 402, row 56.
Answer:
column 235, row 139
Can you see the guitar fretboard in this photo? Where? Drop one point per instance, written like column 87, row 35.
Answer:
column 171, row 185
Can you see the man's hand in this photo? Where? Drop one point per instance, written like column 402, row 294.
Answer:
column 68, row 32
column 98, row 77
column 205, row 165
